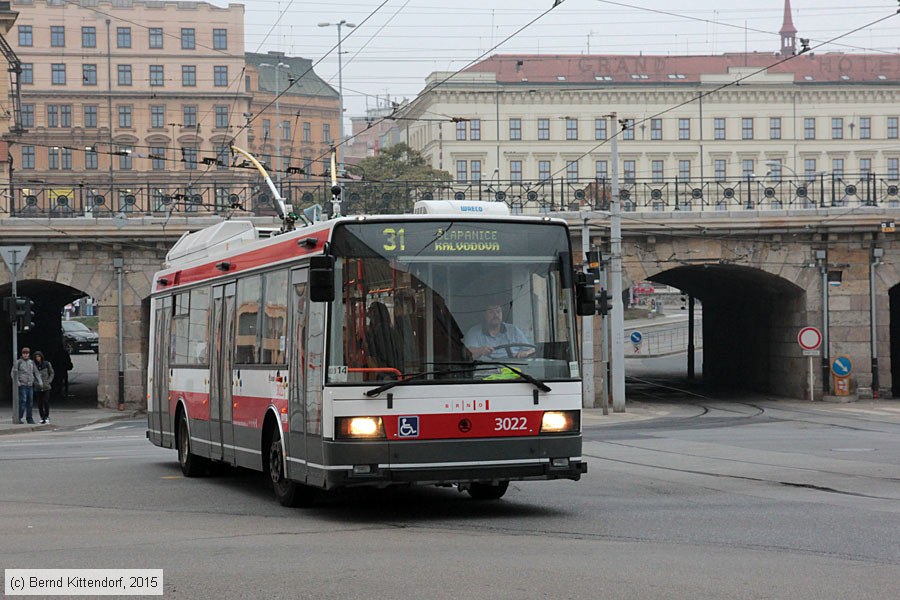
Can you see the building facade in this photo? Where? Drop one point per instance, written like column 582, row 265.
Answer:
column 7, row 20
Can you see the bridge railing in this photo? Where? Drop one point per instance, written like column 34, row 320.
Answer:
column 251, row 196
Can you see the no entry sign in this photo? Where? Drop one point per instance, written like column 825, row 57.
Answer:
column 809, row 338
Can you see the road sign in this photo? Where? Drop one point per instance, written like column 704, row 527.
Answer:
column 14, row 256
column 636, row 337
column 809, row 338
column 841, row 366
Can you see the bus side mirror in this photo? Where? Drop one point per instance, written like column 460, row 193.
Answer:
column 321, row 278
column 585, row 302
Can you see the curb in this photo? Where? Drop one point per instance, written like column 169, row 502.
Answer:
column 59, row 427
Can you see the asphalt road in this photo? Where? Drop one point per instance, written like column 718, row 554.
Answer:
column 706, row 499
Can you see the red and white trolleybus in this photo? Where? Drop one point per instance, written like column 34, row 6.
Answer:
column 341, row 353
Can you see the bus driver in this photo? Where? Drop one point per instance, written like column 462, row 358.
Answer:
column 495, row 340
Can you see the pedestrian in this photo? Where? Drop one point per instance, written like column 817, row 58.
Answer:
column 25, row 373
column 43, row 385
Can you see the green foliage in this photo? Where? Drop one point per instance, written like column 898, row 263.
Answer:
column 398, row 163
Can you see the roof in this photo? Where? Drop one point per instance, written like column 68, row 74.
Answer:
column 309, row 84
column 831, row 67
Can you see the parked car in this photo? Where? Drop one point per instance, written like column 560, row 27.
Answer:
column 77, row 337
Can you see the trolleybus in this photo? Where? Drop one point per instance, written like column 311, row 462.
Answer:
column 340, row 353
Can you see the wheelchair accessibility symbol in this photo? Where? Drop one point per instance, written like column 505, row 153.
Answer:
column 408, row 427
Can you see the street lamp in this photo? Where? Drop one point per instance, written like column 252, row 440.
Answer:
column 341, row 23
column 278, row 130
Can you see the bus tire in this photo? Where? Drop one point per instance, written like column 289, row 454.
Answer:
column 191, row 464
column 488, row 491
column 287, row 492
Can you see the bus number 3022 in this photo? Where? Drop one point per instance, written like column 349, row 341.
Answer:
column 511, row 424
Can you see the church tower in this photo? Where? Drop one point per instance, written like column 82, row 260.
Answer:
column 788, row 32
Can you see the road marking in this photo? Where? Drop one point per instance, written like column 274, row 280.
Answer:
column 102, row 458
column 171, row 477
column 94, row 426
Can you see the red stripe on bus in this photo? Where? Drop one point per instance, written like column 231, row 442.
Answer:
column 463, row 425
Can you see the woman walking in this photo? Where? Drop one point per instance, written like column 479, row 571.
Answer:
column 42, row 385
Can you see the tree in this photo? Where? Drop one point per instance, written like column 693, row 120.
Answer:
column 391, row 181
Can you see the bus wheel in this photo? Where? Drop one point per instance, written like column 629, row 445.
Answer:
column 191, row 464
column 487, row 491
column 287, row 492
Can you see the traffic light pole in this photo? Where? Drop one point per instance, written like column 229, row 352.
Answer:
column 15, row 345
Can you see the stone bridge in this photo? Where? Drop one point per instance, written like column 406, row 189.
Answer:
column 760, row 276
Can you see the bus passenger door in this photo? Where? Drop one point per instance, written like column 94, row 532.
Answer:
column 160, row 393
column 296, row 446
column 221, row 359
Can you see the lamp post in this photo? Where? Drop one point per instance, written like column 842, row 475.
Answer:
column 278, row 130
column 339, row 24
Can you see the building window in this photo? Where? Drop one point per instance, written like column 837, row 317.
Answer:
column 158, row 158
column 28, row 157
column 656, row 170
column 893, row 128
column 52, row 115
column 684, row 170
column 220, row 39
column 475, row 129
column 475, row 171
column 27, row 75
column 189, row 157
column 188, row 75
column 66, row 159
column 572, row 170
column 684, row 129
column 223, row 154
column 628, row 131
column 124, row 74
column 460, row 130
column 543, row 129
column 123, row 37
column 515, row 130
column 809, row 168
column 156, row 37
column 630, row 170
column 307, row 168
column 307, row 131
column 286, row 130
column 326, row 132
column 719, row 128
column 809, row 128
column 543, row 170
column 125, row 161
column 656, row 132
column 157, row 116
column 571, row 130
column 837, row 168
column 90, row 116
column 58, row 74
column 26, row 37
column 53, row 158
column 719, row 166
column 88, row 37
column 125, row 117
column 775, row 169
column 747, row 128
column 266, row 128
column 515, row 170
column 188, row 41
column 65, row 115
column 220, row 76
column 57, row 36
column 747, row 167
column 865, row 128
column 601, row 169
column 91, row 160
column 461, row 171
column 775, row 128
column 599, row 129
column 27, row 115
column 865, row 167
column 837, row 128
column 189, row 116
column 893, row 167
column 221, row 117
column 157, row 75
column 89, row 74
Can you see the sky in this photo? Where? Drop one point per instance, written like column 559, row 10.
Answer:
column 398, row 43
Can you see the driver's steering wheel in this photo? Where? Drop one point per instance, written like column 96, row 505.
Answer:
column 507, row 347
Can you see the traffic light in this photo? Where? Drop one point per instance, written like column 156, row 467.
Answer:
column 585, row 302
column 604, row 303
column 594, row 258
column 9, row 307
column 24, row 313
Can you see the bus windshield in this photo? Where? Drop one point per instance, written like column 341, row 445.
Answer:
column 451, row 301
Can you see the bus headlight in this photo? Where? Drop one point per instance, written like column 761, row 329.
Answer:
column 560, row 421
column 359, row 428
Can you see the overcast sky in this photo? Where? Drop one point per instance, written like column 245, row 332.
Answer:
column 396, row 46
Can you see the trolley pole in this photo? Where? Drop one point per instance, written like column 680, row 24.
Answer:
column 617, row 329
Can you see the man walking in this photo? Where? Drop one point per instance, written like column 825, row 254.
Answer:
column 26, row 374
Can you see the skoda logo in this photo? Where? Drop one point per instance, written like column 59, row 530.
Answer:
column 465, row 426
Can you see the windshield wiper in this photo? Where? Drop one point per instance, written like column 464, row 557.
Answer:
column 390, row 384
column 529, row 378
